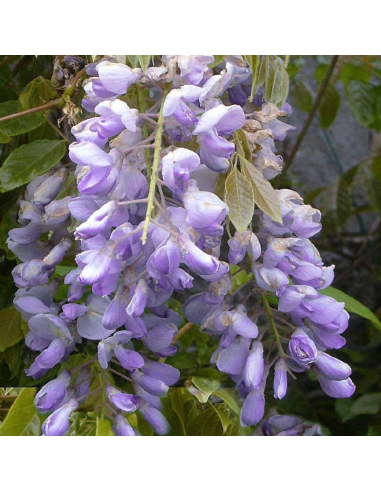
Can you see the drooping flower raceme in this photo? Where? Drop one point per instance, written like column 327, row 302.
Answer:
column 144, row 223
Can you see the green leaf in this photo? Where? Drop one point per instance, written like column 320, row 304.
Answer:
column 207, row 423
column 205, row 388
column 336, row 199
column 178, row 406
column 38, row 92
column 366, row 405
column 10, row 328
column 223, row 413
column 13, row 358
column 220, row 186
column 239, row 198
column 22, row 418
column 266, row 68
column 62, row 271
column 303, row 96
column 281, row 84
column 20, row 125
column 253, row 61
column 356, row 71
column 270, row 70
column 104, row 428
column 4, row 138
column 329, row 107
column 240, row 278
column 5, row 75
column 229, row 396
column 144, row 61
column 376, row 167
column 134, row 60
column 361, row 100
column 42, row 132
column 352, row 305
column 371, row 185
column 29, row 161
column 264, row 194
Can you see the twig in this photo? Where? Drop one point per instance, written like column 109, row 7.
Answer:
column 266, row 305
column 310, row 118
column 155, row 171
column 50, row 105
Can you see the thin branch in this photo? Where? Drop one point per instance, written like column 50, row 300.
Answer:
column 266, row 305
column 311, row 116
column 50, row 105
column 155, row 170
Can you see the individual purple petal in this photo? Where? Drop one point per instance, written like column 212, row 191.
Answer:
column 302, row 348
column 332, row 368
column 27, row 234
column 337, row 389
column 50, row 396
column 89, row 154
column 138, row 302
column 159, row 337
column 164, row 372
column 154, row 386
column 253, row 409
column 280, row 379
column 58, row 423
column 242, row 325
column 129, row 359
column 271, row 279
column 180, row 280
column 116, row 77
column 225, row 119
column 123, row 401
column 121, row 427
column 199, row 262
column 233, row 358
column 97, row 222
column 254, row 367
column 156, row 420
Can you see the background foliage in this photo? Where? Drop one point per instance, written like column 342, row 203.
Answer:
column 348, row 90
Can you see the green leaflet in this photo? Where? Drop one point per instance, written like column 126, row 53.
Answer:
column 361, row 100
column 37, row 93
column 281, row 84
column 329, row 107
column 264, row 194
column 20, row 125
column 303, row 96
column 239, row 198
column 10, row 328
column 22, row 418
column 352, row 305
column 29, row 161
column 104, row 428
column 253, row 61
column 205, row 388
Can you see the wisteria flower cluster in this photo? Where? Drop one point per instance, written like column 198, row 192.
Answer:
column 147, row 222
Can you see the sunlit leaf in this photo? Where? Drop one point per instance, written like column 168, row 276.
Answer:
column 239, row 198
column 264, row 194
column 22, row 418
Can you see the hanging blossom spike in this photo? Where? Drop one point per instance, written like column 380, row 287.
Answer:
column 136, row 245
